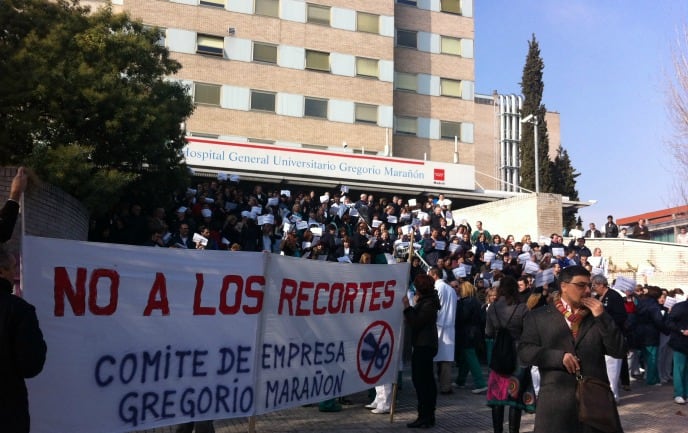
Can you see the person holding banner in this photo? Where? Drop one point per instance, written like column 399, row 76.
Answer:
column 22, row 350
column 422, row 319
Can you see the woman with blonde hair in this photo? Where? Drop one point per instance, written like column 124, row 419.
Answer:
column 468, row 331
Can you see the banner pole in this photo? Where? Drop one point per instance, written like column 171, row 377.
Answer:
column 252, row 424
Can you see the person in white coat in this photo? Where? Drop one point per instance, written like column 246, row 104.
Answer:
column 445, row 330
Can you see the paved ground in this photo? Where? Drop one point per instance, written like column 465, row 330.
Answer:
column 643, row 409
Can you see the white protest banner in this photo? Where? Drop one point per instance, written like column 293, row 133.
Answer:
column 328, row 330
column 140, row 338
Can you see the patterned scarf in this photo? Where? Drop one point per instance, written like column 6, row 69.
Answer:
column 574, row 318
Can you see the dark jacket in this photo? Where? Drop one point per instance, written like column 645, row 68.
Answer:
column 8, row 218
column 468, row 323
column 677, row 322
column 22, row 355
column 422, row 318
column 546, row 338
column 649, row 322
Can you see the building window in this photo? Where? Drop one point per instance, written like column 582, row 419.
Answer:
column 318, row 14
column 450, row 129
column 407, row 38
column 404, row 81
column 317, row 60
column 265, row 53
column 260, row 141
column 207, row 94
column 450, row 45
column 450, row 87
column 204, row 135
column 267, row 8
column 211, row 45
column 366, row 67
column 263, row 101
column 314, row 107
column 451, row 6
column 408, row 2
column 366, row 113
column 407, row 125
column 213, row 3
column 368, row 23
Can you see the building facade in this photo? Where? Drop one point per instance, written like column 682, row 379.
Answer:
column 385, row 77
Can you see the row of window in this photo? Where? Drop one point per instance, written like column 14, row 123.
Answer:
column 261, row 100
column 265, row 101
column 267, row 53
column 448, row 6
column 321, row 14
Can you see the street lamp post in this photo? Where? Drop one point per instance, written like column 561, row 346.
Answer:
column 533, row 119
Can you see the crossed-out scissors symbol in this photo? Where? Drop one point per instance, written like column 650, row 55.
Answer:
column 379, row 352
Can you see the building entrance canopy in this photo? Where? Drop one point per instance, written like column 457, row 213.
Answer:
column 253, row 161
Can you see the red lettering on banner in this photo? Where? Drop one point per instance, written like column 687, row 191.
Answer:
column 111, row 306
column 389, row 294
column 198, row 309
column 320, row 287
column 287, row 295
column 255, row 293
column 63, row 287
column 77, row 297
column 305, row 298
column 375, row 295
column 157, row 297
column 227, row 282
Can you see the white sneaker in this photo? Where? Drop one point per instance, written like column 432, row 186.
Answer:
column 679, row 400
column 479, row 390
column 379, row 411
column 371, row 406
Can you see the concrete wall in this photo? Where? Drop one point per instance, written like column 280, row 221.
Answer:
column 628, row 256
column 49, row 211
column 524, row 214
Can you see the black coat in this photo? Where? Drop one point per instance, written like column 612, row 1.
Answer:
column 422, row 318
column 649, row 322
column 677, row 322
column 8, row 218
column 468, row 323
column 22, row 355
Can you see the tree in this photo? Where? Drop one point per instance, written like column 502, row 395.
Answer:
column 563, row 177
column 532, row 87
column 678, row 112
column 85, row 99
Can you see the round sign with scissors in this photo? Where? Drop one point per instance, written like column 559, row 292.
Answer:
column 375, row 349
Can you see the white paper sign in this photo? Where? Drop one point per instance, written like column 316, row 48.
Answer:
column 624, row 284
column 412, row 202
column 273, row 201
column 391, row 219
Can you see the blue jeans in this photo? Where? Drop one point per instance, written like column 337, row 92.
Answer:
column 680, row 374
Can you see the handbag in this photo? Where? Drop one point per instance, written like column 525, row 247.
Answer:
column 596, row 405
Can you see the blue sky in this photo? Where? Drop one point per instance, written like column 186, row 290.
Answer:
column 606, row 67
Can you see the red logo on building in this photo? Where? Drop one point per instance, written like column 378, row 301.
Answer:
column 439, row 175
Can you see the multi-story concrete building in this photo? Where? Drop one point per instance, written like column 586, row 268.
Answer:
column 385, row 78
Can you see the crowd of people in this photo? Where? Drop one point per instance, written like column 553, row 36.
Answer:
column 466, row 285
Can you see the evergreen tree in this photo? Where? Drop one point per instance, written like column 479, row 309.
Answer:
column 563, row 177
column 532, row 87
column 86, row 100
